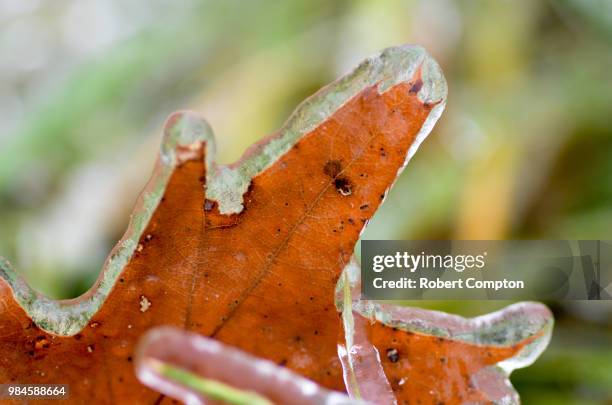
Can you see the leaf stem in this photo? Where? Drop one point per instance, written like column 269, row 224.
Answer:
column 210, row 388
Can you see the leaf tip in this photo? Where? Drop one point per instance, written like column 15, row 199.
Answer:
column 185, row 133
column 402, row 63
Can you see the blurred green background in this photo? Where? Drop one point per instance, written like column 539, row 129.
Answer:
column 524, row 149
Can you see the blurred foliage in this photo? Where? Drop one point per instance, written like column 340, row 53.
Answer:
column 523, row 151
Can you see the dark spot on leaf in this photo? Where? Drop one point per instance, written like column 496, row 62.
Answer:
column 332, row 168
column 364, row 206
column 416, row 86
column 283, row 362
column 41, row 343
column 343, row 185
column 393, row 355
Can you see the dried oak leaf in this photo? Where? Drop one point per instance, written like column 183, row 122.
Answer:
column 248, row 253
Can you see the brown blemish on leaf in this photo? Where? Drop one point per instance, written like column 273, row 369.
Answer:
column 416, row 86
column 344, row 186
column 332, row 168
column 393, row 355
column 41, row 343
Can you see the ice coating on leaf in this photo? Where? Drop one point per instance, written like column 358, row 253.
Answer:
column 365, row 378
column 223, row 372
column 183, row 132
column 227, row 184
column 516, row 336
column 494, row 384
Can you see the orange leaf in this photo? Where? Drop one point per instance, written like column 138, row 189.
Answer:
column 249, row 253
